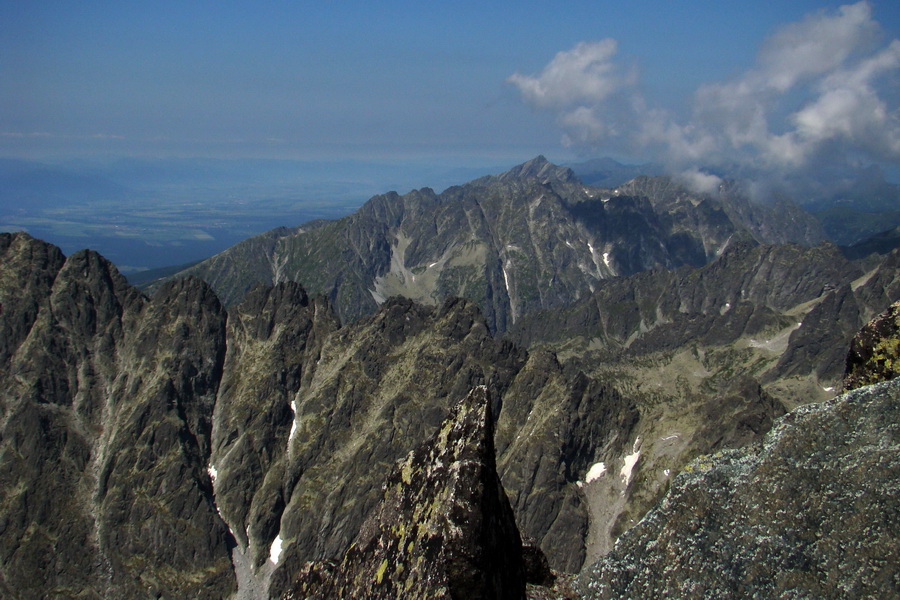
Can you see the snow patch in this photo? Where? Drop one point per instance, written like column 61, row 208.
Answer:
column 213, row 473
column 294, row 421
column 275, row 550
column 606, row 259
column 828, row 389
column 721, row 250
column 595, row 472
column 506, row 279
column 629, row 461
column 669, row 437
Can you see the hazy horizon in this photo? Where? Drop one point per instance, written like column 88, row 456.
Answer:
column 793, row 86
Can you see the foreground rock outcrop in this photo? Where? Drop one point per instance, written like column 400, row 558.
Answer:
column 811, row 512
column 875, row 351
column 444, row 529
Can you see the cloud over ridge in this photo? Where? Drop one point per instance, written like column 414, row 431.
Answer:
column 823, row 93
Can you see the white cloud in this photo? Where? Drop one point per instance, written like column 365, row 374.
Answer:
column 699, row 181
column 584, row 74
column 820, row 91
column 818, row 44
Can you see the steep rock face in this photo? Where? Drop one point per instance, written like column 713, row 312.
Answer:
column 275, row 337
column 810, row 512
column 529, row 239
column 259, row 439
column 546, row 440
column 875, row 351
column 741, row 292
column 29, row 267
column 708, row 358
column 106, row 410
column 444, row 528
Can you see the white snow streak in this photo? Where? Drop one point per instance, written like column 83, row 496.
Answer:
column 595, row 472
column 213, row 473
column 275, row 550
column 294, row 423
column 629, row 462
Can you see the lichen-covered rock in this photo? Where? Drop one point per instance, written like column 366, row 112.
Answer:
column 811, row 512
column 875, row 351
column 444, row 529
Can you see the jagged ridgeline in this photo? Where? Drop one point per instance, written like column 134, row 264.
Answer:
column 532, row 238
column 161, row 446
column 179, row 446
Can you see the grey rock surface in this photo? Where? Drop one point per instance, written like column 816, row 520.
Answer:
column 811, row 512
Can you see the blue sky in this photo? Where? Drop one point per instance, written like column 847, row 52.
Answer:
column 458, row 81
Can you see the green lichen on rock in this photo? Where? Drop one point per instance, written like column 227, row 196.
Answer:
column 875, row 351
column 448, row 529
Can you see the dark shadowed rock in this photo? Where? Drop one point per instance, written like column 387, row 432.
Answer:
column 106, row 406
column 875, row 351
column 444, row 528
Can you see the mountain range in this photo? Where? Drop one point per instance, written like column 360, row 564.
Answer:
column 534, row 237
column 279, row 417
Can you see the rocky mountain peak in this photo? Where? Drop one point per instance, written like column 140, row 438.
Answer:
column 444, row 529
column 539, row 168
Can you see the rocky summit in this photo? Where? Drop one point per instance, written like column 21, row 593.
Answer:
column 532, row 238
column 443, row 530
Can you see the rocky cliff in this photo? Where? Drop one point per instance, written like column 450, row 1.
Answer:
column 140, row 435
column 105, row 421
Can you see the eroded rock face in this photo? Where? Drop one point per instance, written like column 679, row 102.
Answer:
column 444, row 528
column 139, row 434
column 533, row 238
column 105, row 418
column 875, row 351
column 810, row 512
